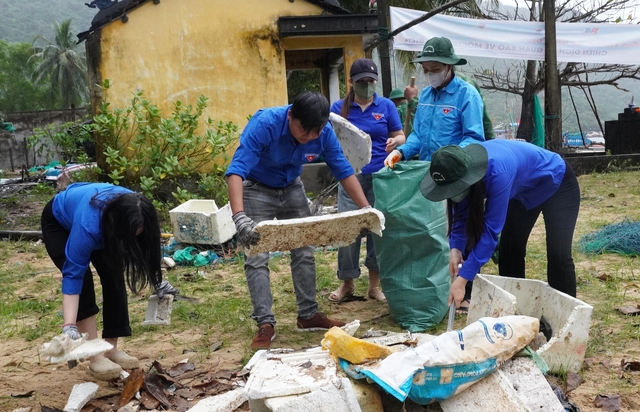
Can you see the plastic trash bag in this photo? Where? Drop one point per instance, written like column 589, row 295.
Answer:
column 451, row 362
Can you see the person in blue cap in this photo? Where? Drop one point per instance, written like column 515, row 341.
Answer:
column 377, row 116
column 503, row 186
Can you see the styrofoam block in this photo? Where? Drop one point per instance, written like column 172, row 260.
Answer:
column 159, row 311
column 87, row 349
column 493, row 393
column 80, row 395
column 200, row 221
column 336, row 396
column 570, row 318
column 290, row 374
column 226, row 402
column 339, row 229
column 531, row 385
column 355, row 143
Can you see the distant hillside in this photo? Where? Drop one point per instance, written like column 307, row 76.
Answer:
column 22, row 20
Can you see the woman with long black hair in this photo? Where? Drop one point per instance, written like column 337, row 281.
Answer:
column 118, row 232
column 502, row 186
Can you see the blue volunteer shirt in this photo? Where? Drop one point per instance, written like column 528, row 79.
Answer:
column 269, row 154
column 72, row 209
column 450, row 116
column 515, row 170
column 379, row 119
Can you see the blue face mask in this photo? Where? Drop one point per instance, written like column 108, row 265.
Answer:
column 364, row 90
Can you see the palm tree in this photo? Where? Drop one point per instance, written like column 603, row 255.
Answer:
column 63, row 65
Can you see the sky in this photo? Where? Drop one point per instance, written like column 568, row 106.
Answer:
column 633, row 10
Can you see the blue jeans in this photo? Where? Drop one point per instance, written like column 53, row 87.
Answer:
column 349, row 256
column 263, row 202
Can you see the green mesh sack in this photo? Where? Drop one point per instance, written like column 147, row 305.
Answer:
column 413, row 252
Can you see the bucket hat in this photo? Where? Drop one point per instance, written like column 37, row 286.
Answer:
column 439, row 49
column 396, row 94
column 453, row 169
column 362, row 68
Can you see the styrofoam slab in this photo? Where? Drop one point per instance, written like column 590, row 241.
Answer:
column 339, row 229
column 84, row 351
column 337, row 396
column 290, row 374
column 356, row 144
column 226, row 402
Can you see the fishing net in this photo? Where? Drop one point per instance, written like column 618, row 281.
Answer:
column 622, row 238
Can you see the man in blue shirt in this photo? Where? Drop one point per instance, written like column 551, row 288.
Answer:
column 264, row 183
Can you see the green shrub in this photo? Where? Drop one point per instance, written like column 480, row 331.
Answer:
column 61, row 142
column 164, row 155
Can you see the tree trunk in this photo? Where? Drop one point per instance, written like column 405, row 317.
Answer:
column 525, row 129
column 552, row 97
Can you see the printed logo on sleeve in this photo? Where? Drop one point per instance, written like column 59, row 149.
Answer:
column 311, row 156
column 377, row 116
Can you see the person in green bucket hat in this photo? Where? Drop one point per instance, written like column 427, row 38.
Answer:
column 397, row 97
column 449, row 110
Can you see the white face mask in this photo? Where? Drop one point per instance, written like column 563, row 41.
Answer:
column 436, row 79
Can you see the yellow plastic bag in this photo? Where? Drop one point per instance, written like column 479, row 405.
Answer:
column 342, row 345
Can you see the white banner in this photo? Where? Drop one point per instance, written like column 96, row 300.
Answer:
column 576, row 42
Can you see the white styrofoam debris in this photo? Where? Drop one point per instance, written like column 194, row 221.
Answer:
column 86, row 350
column 200, row 221
column 339, row 229
column 356, row 144
column 27, row 409
column 159, row 311
column 493, row 393
column 531, row 385
column 290, row 374
column 226, row 402
column 351, row 327
column 570, row 318
column 336, row 396
column 80, row 395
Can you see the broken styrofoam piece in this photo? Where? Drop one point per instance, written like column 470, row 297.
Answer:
column 531, row 385
column 85, row 350
column 27, row 409
column 338, row 229
column 336, row 396
column 226, row 402
column 80, row 395
column 570, row 318
column 159, row 311
column 351, row 327
column 493, row 393
column 355, row 143
column 290, row 374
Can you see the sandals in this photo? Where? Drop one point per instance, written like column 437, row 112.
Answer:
column 463, row 310
column 377, row 294
column 341, row 294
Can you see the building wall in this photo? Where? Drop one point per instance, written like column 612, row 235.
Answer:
column 13, row 148
column 227, row 50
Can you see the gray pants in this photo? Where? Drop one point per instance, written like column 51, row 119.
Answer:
column 262, row 202
column 349, row 256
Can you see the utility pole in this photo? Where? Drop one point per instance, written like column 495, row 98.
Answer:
column 552, row 92
column 383, row 48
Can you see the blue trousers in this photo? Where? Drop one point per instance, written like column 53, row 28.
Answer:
column 349, row 256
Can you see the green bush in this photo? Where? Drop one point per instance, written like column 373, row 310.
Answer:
column 61, row 142
column 164, row 155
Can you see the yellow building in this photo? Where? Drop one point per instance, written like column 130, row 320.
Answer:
column 238, row 53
